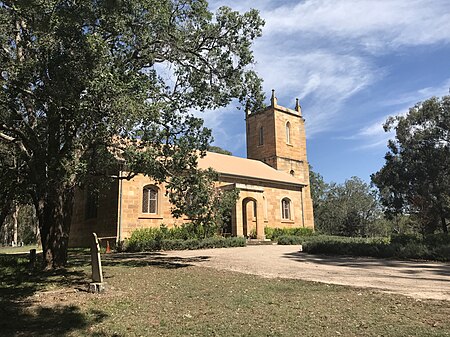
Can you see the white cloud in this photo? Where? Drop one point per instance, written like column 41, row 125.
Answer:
column 325, row 53
column 376, row 24
column 323, row 79
column 412, row 97
column 373, row 135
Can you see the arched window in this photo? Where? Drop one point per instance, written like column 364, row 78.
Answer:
column 286, row 209
column 261, row 136
column 288, row 133
column 150, row 199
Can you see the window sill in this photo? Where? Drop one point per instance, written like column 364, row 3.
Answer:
column 150, row 216
column 287, row 221
column 289, row 144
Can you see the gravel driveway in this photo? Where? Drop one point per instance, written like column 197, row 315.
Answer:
column 426, row 280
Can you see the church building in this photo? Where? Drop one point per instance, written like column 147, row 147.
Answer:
column 273, row 183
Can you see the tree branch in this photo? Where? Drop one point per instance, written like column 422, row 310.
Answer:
column 6, row 137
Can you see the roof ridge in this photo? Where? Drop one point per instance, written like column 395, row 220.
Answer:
column 260, row 170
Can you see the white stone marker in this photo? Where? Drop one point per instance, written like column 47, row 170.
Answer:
column 97, row 274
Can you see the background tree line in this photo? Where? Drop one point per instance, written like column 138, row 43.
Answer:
column 409, row 194
column 348, row 209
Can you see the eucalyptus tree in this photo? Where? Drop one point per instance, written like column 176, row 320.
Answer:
column 86, row 84
column 415, row 179
column 348, row 209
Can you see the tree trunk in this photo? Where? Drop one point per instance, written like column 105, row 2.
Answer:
column 444, row 225
column 54, row 215
column 15, row 218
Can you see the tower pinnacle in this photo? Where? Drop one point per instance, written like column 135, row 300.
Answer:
column 273, row 99
column 298, row 107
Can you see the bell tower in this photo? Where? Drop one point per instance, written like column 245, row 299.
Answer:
column 276, row 136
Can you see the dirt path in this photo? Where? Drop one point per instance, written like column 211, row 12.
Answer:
column 425, row 280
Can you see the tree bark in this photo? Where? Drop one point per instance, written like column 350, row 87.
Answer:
column 54, row 215
column 15, row 217
column 444, row 225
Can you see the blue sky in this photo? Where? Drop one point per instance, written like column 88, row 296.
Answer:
column 352, row 64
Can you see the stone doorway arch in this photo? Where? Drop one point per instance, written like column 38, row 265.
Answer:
column 248, row 212
column 249, row 217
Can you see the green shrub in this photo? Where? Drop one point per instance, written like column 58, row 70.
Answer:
column 404, row 239
column 434, row 240
column 214, row 242
column 441, row 253
column 134, row 244
column 175, row 244
column 268, row 232
column 145, row 239
column 405, row 246
column 413, row 250
column 157, row 238
column 274, row 233
column 236, row 242
column 290, row 240
column 184, row 232
column 336, row 245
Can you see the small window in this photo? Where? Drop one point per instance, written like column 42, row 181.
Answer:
column 261, row 136
column 150, row 200
column 292, row 173
column 286, row 209
column 288, row 133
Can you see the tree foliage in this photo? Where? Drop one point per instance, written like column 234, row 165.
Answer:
column 415, row 178
column 218, row 149
column 348, row 209
column 197, row 197
column 84, row 83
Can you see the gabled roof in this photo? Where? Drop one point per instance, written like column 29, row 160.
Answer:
column 245, row 168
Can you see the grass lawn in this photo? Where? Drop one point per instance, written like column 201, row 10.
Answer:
column 153, row 295
column 16, row 250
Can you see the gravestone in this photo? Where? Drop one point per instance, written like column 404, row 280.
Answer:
column 32, row 258
column 96, row 286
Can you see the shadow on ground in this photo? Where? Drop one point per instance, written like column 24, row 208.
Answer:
column 22, row 315
column 140, row 259
column 144, row 259
column 407, row 267
column 18, row 319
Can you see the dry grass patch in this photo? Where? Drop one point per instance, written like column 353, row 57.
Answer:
column 153, row 295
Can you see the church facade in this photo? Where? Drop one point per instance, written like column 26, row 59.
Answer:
column 273, row 183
